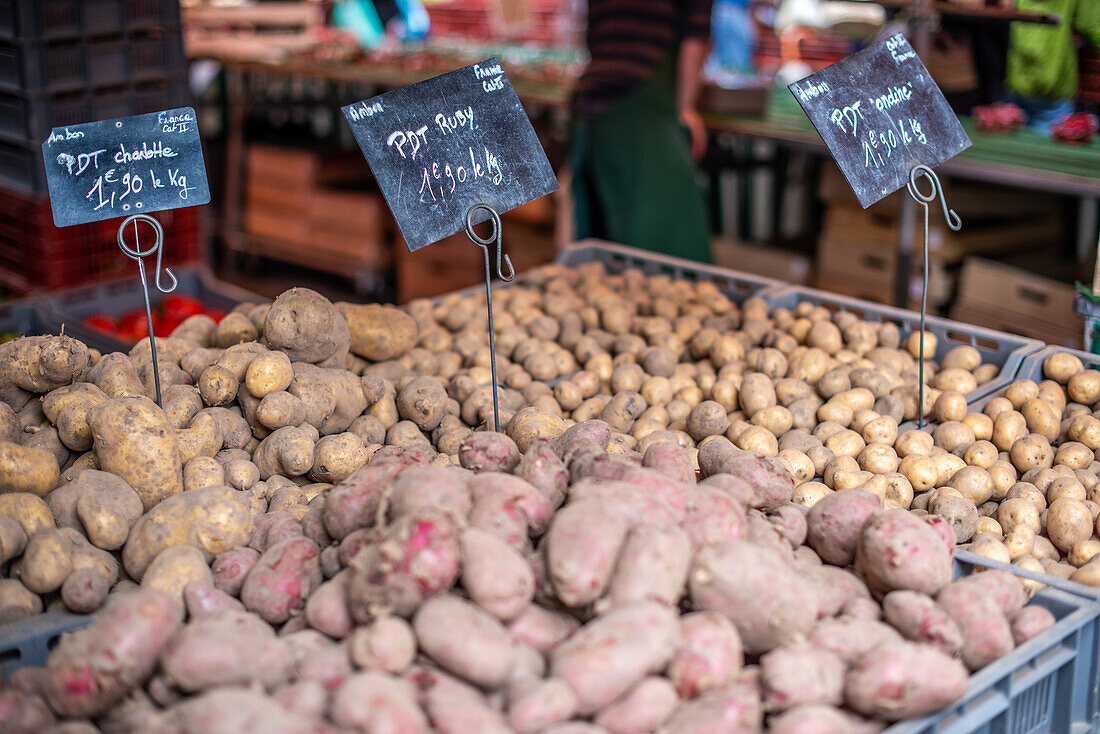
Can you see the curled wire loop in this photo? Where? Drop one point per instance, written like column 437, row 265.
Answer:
column 949, row 215
column 494, row 236
column 136, row 253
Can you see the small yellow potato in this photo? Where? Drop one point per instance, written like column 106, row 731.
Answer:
column 1017, row 512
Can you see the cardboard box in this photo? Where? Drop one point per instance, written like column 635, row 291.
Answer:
column 977, row 236
column 869, row 271
column 769, row 262
column 973, row 201
column 1014, row 300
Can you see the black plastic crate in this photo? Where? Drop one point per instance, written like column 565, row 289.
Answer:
column 68, row 18
column 108, row 61
column 21, row 166
column 39, row 17
column 26, row 317
column 37, row 65
column 30, row 117
column 155, row 54
column 27, row 119
column 31, row 66
column 69, row 308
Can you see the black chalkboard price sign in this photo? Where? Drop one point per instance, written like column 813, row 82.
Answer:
column 880, row 114
column 441, row 146
column 132, row 165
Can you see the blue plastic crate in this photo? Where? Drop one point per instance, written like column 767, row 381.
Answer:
column 67, row 18
column 619, row 258
column 1007, row 351
column 26, row 317
column 736, row 285
column 1048, row 684
column 28, row 642
column 68, row 308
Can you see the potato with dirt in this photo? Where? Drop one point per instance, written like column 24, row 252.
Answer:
column 582, row 547
column 213, row 519
column 17, row 602
column 46, row 561
column 225, row 649
column 133, row 439
column 305, row 326
column 287, row 452
column 653, row 564
column 904, row 680
column 405, row 562
column 709, row 655
column 39, row 364
column 801, row 675
column 530, row 423
column 834, row 524
column 464, row 639
column 67, row 408
column 379, row 332
column 900, row 551
column 498, row 579
column 27, row 469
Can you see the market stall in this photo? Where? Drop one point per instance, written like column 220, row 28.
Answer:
column 380, row 454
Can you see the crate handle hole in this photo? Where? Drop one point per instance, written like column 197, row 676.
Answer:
column 1032, row 295
column 991, row 345
column 12, row 655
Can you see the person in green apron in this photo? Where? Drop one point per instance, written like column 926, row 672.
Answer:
column 636, row 127
column 1042, row 58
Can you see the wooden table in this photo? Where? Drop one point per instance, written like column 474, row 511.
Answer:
column 1023, row 158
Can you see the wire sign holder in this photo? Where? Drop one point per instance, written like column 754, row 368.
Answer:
column 955, row 224
column 137, row 254
column 128, row 167
column 495, row 237
column 887, row 124
column 455, row 149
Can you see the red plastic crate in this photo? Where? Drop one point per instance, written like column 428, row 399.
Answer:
column 36, row 256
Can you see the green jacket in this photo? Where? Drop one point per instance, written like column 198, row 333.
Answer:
column 1042, row 60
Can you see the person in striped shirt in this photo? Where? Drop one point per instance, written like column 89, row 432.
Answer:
column 637, row 128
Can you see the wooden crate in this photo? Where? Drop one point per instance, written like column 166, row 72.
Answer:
column 770, row 262
column 269, row 31
column 315, row 238
column 293, row 168
column 456, row 262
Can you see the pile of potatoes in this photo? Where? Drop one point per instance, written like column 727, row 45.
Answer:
column 279, row 401
column 1024, row 474
column 275, row 419
column 563, row 590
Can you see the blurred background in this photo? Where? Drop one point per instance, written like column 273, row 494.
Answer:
column 294, row 202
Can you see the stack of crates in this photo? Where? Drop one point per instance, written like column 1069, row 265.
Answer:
column 64, row 63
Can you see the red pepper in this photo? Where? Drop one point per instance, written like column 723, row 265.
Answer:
column 101, row 322
column 180, row 307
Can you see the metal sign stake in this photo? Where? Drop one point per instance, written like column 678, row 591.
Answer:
column 955, row 224
column 483, row 243
column 136, row 253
